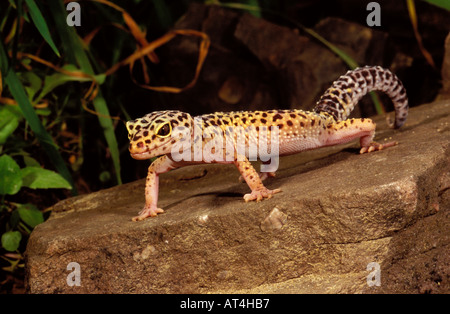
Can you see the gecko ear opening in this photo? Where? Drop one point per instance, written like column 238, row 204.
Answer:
column 164, row 130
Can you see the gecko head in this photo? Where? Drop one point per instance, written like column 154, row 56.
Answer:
column 155, row 133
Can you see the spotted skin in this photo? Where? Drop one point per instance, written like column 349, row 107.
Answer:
column 158, row 133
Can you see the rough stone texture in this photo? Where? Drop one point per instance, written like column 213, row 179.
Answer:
column 338, row 211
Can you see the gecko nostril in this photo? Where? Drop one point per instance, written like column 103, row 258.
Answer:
column 140, row 144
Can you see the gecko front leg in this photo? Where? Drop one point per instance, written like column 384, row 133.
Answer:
column 249, row 174
column 160, row 165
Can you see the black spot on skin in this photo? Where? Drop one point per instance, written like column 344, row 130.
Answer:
column 244, row 120
column 131, row 127
column 277, row 116
column 280, row 126
column 143, row 121
column 264, row 115
column 180, row 118
column 138, row 127
column 293, row 116
column 335, row 92
column 153, row 136
column 147, row 141
column 263, row 121
column 136, row 137
column 302, row 115
column 313, row 122
column 145, row 133
column 302, row 124
column 253, row 121
column 257, row 128
column 289, row 122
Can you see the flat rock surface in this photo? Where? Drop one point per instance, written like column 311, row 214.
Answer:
column 338, row 211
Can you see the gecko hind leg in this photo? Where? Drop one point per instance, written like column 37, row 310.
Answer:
column 249, row 174
column 348, row 130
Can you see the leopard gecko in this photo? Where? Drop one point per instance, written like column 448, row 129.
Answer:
column 208, row 138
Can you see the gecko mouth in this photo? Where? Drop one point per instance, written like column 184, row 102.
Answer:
column 150, row 153
column 142, row 155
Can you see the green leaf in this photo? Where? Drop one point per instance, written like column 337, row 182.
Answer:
column 32, row 83
column 39, row 178
column 9, row 121
column 11, row 240
column 57, row 79
column 18, row 92
column 41, row 25
column 10, row 176
column 30, row 161
column 30, row 215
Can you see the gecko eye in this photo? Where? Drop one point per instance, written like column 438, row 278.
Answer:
column 164, row 130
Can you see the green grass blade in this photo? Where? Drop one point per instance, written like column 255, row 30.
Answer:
column 41, row 25
column 444, row 4
column 73, row 45
column 19, row 94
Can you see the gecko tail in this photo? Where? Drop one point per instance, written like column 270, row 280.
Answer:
column 340, row 99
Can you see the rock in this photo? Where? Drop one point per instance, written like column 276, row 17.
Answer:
column 343, row 211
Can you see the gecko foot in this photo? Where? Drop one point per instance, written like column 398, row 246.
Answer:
column 260, row 194
column 376, row 146
column 148, row 212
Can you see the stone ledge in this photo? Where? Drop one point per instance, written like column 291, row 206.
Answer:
column 338, row 211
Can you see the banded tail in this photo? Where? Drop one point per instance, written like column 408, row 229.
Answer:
column 340, row 99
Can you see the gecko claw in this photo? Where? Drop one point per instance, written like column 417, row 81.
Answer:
column 376, row 146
